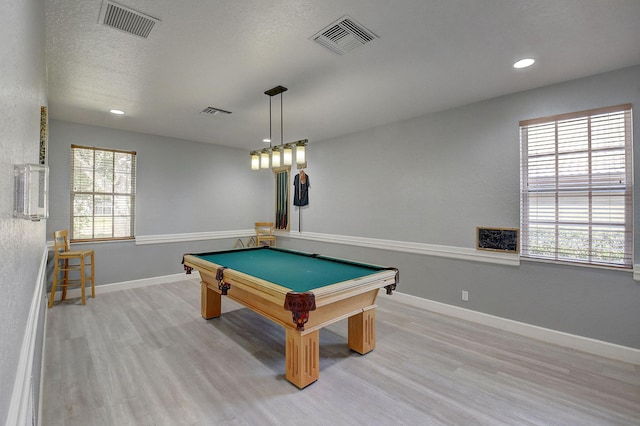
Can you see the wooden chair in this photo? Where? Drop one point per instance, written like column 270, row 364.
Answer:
column 67, row 261
column 264, row 233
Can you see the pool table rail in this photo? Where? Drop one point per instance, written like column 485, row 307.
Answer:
column 329, row 307
column 271, row 298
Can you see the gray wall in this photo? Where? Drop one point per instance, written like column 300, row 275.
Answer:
column 433, row 179
column 430, row 180
column 22, row 93
column 182, row 187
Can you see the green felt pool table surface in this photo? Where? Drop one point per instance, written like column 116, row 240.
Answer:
column 295, row 270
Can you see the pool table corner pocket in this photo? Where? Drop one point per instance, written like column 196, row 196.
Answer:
column 300, row 304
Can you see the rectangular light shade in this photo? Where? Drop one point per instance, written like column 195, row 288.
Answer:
column 275, row 158
column 300, row 154
column 288, row 155
column 255, row 161
column 264, row 160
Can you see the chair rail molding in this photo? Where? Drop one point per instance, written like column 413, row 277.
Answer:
column 193, row 236
column 21, row 408
column 452, row 252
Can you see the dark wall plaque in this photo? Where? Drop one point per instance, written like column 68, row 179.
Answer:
column 498, row 239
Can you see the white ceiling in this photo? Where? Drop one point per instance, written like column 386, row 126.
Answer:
column 431, row 55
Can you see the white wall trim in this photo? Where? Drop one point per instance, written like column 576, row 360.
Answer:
column 43, row 360
column 193, row 236
column 462, row 253
column 21, row 407
column 125, row 285
column 451, row 252
column 580, row 343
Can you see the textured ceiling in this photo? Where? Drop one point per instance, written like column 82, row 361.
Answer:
column 430, row 55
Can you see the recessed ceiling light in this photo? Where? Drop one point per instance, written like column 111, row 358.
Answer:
column 266, row 140
column 116, row 111
column 524, row 63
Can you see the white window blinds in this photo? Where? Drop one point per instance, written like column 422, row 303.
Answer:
column 576, row 187
column 103, row 192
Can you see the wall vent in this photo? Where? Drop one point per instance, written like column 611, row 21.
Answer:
column 344, row 35
column 125, row 19
column 214, row 111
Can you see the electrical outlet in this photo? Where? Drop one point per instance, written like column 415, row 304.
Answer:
column 465, row 295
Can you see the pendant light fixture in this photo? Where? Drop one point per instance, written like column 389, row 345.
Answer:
column 276, row 156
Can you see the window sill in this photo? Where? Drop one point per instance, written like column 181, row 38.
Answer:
column 583, row 265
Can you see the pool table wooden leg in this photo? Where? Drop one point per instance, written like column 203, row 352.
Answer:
column 362, row 331
column 302, row 357
column 211, row 302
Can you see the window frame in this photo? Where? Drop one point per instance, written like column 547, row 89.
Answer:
column 131, row 176
column 566, row 185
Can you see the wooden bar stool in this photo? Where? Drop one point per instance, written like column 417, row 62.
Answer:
column 264, row 233
column 67, row 261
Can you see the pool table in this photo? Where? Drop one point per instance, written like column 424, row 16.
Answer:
column 302, row 292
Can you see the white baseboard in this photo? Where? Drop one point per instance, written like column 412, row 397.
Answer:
column 21, row 408
column 108, row 288
column 580, row 343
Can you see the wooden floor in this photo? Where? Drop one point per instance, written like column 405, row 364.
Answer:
column 146, row 357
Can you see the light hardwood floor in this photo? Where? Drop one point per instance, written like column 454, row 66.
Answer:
column 146, row 357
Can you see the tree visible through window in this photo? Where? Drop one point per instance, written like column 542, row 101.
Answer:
column 577, row 186
column 103, row 192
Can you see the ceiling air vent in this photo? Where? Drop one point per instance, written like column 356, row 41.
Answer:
column 127, row 20
column 344, row 35
column 214, row 111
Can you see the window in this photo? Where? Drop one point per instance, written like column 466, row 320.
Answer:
column 103, row 193
column 577, row 186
